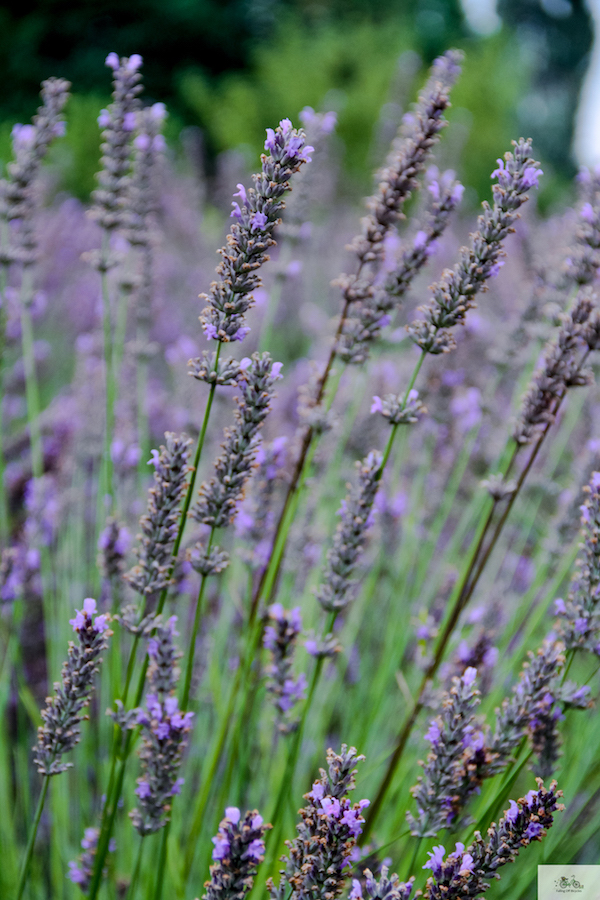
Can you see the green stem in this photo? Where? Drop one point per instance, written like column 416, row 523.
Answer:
column 136, row 872
column 32, row 837
column 110, row 804
column 109, row 374
column 162, row 862
column 192, row 647
column 31, row 385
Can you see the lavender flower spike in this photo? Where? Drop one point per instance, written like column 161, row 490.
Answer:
column 118, row 123
column 18, row 193
column 453, row 296
column 560, row 369
column 165, row 729
column 64, row 712
column 280, row 638
column 81, row 871
column 159, row 526
column 384, row 889
column 410, row 151
column 455, row 742
column 219, row 497
column 467, row 872
column 357, row 511
column 239, row 848
column 330, row 825
column 579, row 616
column 256, row 215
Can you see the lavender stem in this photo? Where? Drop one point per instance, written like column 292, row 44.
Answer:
column 32, row 837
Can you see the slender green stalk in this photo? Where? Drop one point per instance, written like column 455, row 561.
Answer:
column 31, row 384
column 109, row 375
column 189, row 669
column 4, row 517
column 110, row 805
column 32, row 836
column 136, row 872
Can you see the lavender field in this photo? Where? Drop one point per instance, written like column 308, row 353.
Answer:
column 300, row 574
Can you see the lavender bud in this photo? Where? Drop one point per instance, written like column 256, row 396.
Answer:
column 398, row 410
column 227, row 371
column 453, row 296
column 325, row 647
column 164, row 735
column 159, row 526
column 239, row 848
column 350, row 536
column 63, row 713
column 317, row 861
column 384, row 889
column 19, row 192
column 280, row 638
column 207, row 562
column 560, row 370
column 467, row 872
column 250, row 237
column 497, row 487
column 142, row 196
column 219, row 497
column 451, row 769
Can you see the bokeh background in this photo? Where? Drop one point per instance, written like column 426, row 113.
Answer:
column 229, row 68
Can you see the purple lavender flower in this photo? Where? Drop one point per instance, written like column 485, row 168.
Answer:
column 19, row 191
column 62, row 716
column 238, row 848
column 455, row 293
column 456, row 763
column 467, row 872
column 165, row 730
column 367, row 298
column 81, row 871
column 251, row 235
column 349, row 539
column 220, row 495
column 118, row 121
column 280, row 638
column 318, row 857
column 159, row 526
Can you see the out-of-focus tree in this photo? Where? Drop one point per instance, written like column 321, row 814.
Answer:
column 555, row 37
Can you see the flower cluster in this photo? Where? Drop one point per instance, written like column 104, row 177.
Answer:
column 327, row 833
column 394, row 280
column 453, row 768
column 239, row 848
column 159, row 526
column 18, row 192
column 63, row 713
column 579, row 615
column 399, row 410
column 118, row 124
column 148, row 146
column 467, row 872
column 356, row 513
column 80, row 872
column 256, row 215
column 454, row 295
column 164, row 729
column 365, row 298
column 280, row 638
column 561, row 369
column 384, row 889
column 219, row 497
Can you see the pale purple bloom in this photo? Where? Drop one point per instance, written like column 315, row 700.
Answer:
column 376, row 405
column 436, row 858
column 433, row 733
column 134, row 62
column 512, row 813
column 258, row 221
column 255, row 849
column 221, row 847
column 331, row 807
column 233, row 814
column 112, row 61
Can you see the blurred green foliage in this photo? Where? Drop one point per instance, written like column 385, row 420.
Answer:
column 238, row 67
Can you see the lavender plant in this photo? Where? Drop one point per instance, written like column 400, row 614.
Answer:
column 427, row 603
